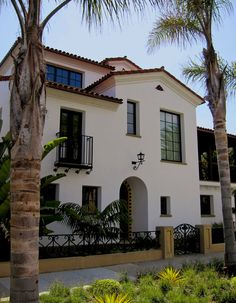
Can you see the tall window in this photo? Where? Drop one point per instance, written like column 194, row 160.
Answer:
column 170, row 137
column 206, row 205
column 64, row 76
column 131, row 118
column 71, row 127
column 90, row 196
column 165, row 206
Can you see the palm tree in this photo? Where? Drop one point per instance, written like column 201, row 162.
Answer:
column 27, row 115
column 187, row 21
column 196, row 71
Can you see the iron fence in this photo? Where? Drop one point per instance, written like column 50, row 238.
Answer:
column 67, row 245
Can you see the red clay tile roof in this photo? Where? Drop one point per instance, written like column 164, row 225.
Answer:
column 106, row 60
column 60, row 52
column 211, row 131
column 76, row 90
column 142, row 71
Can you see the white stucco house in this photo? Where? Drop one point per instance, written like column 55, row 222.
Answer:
column 111, row 111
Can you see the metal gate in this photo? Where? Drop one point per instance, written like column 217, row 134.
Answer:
column 186, row 239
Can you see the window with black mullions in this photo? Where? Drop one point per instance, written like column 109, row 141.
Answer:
column 170, row 136
column 64, row 76
column 131, row 118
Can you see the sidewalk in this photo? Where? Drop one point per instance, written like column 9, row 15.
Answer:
column 86, row 276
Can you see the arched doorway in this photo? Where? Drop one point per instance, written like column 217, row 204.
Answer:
column 133, row 190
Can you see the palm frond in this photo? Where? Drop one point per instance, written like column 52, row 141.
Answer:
column 194, row 71
column 173, row 29
column 230, row 78
column 96, row 11
column 45, row 181
column 51, row 145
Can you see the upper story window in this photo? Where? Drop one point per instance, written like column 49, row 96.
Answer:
column 170, row 137
column 131, row 118
column 64, row 76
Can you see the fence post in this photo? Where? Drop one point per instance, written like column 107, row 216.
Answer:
column 205, row 238
column 166, row 241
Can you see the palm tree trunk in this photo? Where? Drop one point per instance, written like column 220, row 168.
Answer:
column 26, row 122
column 226, row 194
column 217, row 103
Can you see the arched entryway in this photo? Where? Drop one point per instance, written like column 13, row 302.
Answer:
column 133, row 190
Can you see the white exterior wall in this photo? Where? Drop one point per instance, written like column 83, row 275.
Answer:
column 114, row 150
column 213, row 189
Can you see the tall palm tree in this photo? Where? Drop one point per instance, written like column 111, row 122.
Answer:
column 184, row 22
column 27, row 115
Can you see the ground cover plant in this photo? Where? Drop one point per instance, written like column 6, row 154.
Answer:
column 196, row 283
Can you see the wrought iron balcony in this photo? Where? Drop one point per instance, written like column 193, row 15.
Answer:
column 75, row 152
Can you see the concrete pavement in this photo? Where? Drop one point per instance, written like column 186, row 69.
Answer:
column 86, row 276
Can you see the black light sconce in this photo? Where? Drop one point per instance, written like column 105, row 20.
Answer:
column 136, row 164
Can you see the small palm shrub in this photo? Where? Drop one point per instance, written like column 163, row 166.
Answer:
column 105, row 287
column 113, row 298
column 171, row 275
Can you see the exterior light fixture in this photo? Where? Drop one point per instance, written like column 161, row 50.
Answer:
column 136, row 164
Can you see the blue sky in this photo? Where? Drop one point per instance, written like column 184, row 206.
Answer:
column 67, row 32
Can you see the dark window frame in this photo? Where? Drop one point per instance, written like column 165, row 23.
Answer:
column 206, row 210
column 85, row 194
column 171, row 141
column 165, row 206
column 69, row 79
column 132, row 118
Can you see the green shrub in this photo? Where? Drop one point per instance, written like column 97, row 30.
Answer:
column 105, row 286
column 58, row 289
column 79, row 295
column 113, row 298
column 228, row 296
column 148, row 291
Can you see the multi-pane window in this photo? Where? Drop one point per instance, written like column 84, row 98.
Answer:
column 131, row 118
column 90, row 197
column 165, row 206
column 49, row 193
column 206, row 205
column 170, row 137
column 64, row 76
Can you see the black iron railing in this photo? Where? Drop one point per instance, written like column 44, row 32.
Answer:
column 75, row 152
column 67, row 245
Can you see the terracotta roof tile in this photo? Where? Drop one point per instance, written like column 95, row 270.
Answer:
column 142, row 71
column 78, row 91
column 211, row 131
column 106, row 60
column 60, row 52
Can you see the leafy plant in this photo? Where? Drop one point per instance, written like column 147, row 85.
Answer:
column 47, row 208
column 90, row 222
column 112, row 298
column 106, row 287
column 171, row 275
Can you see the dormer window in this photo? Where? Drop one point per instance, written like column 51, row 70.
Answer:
column 64, row 76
